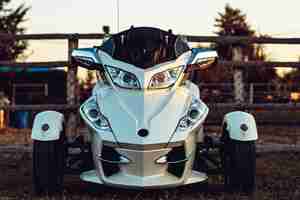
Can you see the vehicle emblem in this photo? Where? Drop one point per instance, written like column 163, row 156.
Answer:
column 244, row 127
column 45, row 127
column 143, row 133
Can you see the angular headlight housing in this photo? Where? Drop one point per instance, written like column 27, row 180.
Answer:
column 123, row 78
column 196, row 114
column 166, row 78
column 90, row 110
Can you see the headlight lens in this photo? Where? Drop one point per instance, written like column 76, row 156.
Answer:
column 91, row 111
column 166, row 78
column 197, row 112
column 123, row 78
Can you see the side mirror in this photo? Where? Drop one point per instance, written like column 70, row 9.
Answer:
column 87, row 58
column 202, row 59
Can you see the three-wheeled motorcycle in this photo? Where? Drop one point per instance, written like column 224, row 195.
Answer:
column 145, row 121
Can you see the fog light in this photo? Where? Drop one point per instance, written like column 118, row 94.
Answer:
column 194, row 114
column 124, row 160
column 119, row 160
column 162, row 160
column 93, row 113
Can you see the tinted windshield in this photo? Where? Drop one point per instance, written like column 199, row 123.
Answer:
column 145, row 47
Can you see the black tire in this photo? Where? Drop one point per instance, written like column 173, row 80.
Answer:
column 239, row 162
column 48, row 166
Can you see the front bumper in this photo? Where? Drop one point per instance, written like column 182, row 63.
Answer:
column 144, row 183
column 143, row 170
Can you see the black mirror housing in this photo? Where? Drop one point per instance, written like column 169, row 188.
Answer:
column 202, row 59
column 86, row 58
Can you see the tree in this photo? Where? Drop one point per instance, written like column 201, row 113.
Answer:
column 233, row 23
column 10, row 23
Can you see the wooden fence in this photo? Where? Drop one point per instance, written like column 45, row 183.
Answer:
column 238, row 63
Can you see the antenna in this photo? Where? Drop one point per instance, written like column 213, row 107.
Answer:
column 118, row 15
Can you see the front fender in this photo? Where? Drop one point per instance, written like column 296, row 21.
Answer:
column 47, row 126
column 241, row 126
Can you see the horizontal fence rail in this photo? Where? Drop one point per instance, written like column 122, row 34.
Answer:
column 239, row 106
column 41, row 107
column 214, row 118
column 236, row 64
column 53, row 64
column 190, row 38
column 54, row 36
column 237, row 39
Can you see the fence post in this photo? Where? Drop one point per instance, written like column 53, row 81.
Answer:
column 71, row 89
column 238, row 76
column 251, row 93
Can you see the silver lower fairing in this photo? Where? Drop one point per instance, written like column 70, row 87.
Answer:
column 142, row 169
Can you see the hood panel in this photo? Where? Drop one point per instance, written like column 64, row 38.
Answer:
column 157, row 111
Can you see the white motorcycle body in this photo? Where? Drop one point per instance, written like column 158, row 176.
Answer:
column 158, row 112
column 145, row 137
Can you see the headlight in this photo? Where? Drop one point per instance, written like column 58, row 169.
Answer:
column 91, row 112
column 122, row 78
column 197, row 113
column 165, row 79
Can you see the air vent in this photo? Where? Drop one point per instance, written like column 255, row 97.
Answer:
column 174, row 167
column 109, row 153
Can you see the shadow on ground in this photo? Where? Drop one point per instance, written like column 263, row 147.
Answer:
column 278, row 177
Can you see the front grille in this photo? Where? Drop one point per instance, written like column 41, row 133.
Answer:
column 109, row 153
column 176, row 154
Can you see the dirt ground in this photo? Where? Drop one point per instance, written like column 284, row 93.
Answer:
column 278, row 175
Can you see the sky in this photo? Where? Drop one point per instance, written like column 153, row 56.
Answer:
column 192, row 17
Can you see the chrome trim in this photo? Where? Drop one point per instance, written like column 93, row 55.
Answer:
column 123, row 160
column 174, row 162
column 143, row 147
